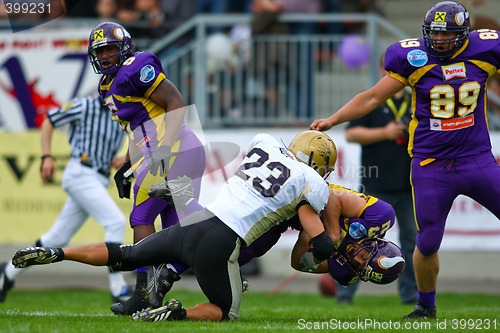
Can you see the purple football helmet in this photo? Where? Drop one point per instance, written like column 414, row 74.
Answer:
column 445, row 16
column 109, row 33
column 382, row 260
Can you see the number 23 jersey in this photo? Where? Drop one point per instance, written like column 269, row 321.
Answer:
column 449, row 97
column 268, row 188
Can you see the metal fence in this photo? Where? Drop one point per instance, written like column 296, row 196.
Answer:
column 271, row 80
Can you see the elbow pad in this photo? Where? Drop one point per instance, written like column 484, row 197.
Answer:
column 323, row 246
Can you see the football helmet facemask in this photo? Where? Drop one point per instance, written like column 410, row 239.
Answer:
column 109, row 33
column 315, row 149
column 445, row 16
column 379, row 261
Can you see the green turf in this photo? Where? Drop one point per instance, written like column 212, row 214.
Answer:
column 88, row 311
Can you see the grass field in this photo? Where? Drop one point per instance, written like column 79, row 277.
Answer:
column 88, row 311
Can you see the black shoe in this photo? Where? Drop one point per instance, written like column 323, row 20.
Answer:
column 421, row 310
column 172, row 310
column 160, row 281
column 5, row 283
column 130, row 306
column 37, row 256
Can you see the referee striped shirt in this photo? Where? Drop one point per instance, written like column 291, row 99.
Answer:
column 91, row 132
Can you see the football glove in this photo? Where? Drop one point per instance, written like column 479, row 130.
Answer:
column 123, row 184
column 178, row 191
column 160, row 160
column 307, row 261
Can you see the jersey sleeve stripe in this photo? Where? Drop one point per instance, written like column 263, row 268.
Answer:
column 160, row 78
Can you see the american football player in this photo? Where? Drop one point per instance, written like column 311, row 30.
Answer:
column 262, row 193
column 448, row 71
column 150, row 110
column 364, row 221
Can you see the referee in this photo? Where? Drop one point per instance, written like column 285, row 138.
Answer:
column 95, row 140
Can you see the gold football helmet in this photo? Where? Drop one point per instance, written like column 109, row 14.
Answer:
column 315, row 149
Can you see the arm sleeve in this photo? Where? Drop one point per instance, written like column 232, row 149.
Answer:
column 70, row 112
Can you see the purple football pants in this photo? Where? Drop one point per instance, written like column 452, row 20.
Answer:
column 192, row 164
column 438, row 183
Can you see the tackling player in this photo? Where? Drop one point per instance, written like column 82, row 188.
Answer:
column 271, row 185
column 448, row 71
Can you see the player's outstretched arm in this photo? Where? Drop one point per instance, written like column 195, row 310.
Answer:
column 362, row 104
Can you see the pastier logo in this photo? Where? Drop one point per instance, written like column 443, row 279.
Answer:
column 417, row 58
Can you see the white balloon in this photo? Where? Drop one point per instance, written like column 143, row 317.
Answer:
column 219, row 47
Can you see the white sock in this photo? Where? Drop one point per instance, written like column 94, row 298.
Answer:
column 117, row 283
column 11, row 272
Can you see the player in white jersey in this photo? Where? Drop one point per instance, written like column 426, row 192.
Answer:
column 272, row 184
column 265, row 170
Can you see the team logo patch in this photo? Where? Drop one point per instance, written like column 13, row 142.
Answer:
column 440, row 17
column 454, row 72
column 417, row 58
column 98, row 34
column 147, row 73
column 376, row 276
column 460, row 18
column 357, row 230
column 119, row 33
column 451, row 124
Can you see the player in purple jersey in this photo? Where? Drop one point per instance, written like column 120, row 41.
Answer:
column 151, row 110
column 448, row 71
column 363, row 222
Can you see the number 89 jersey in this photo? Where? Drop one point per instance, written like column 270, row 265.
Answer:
column 449, row 97
column 268, row 188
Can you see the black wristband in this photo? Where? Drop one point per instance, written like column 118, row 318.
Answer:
column 45, row 156
column 323, row 246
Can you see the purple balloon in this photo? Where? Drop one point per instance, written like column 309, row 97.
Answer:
column 354, row 51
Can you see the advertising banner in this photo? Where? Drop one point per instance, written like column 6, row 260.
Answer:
column 40, row 70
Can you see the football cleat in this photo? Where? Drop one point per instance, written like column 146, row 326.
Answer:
column 160, row 281
column 31, row 256
column 130, row 306
column 177, row 191
column 5, row 283
column 421, row 310
column 172, row 310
